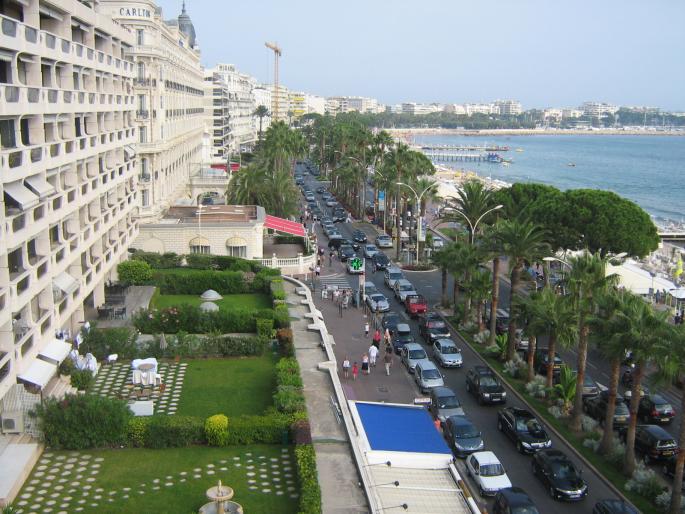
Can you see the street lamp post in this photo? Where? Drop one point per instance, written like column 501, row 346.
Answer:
column 473, row 226
column 420, row 216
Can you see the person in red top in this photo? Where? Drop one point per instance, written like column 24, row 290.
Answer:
column 377, row 338
column 355, row 371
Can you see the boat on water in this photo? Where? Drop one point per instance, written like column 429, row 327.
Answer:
column 571, row 165
column 505, row 163
column 519, row 150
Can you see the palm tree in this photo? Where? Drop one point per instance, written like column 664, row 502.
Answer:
column 587, row 278
column 465, row 258
column 261, row 112
column 443, row 259
column 473, row 200
column 532, row 326
column 492, row 245
column 522, row 241
column 479, row 287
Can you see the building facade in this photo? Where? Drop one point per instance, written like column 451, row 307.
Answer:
column 217, row 119
column 508, row 107
column 336, row 104
column 241, row 107
column 262, row 96
column 169, row 96
column 597, row 109
column 68, row 173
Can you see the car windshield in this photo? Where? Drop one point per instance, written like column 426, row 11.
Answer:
column 378, row 298
column 491, row 470
column 449, row 350
column 564, row 470
column 448, row 402
column 621, row 409
column 395, row 276
column 436, row 324
column 406, row 287
column 431, row 374
column 415, row 299
column 405, row 337
column 488, row 381
column 525, row 509
column 466, row 432
column 382, row 259
column 417, row 354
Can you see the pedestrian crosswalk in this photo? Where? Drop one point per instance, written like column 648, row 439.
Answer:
column 338, row 279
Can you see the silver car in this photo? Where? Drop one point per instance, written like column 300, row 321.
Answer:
column 403, row 288
column 411, row 354
column 392, row 275
column 370, row 251
column 378, row 303
column 438, row 243
column 384, row 241
column 447, row 354
column 370, row 288
column 427, row 376
column 444, row 403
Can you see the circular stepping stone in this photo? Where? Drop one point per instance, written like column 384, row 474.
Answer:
column 291, row 488
column 223, row 469
column 276, row 479
column 60, row 457
column 96, row 465
column 21, row 503
column 139, row 492
column 237, row 465
column 58, row 487
column 81, row 501
column 252, row 487
column 183, row 473
column 42, row 467
column 156, row 488
column 210, row 465
column 182, row 480
column 267, row 490
column 236, row 458
column 250, row 474
column 273, row 459
column 38, row 474
column 42, row 492
column 127, row 489
column 210, row 472
column 97, row 497
column 99, row 490
column 197, row 476
column 90, row 479
column 169, row 484
column 294, row 496
column 87, row 487
column 197, row 470
column 99, row 459
column 279, row 493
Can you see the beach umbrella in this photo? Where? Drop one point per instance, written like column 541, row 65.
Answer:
column 210, row 295
column 163, row 345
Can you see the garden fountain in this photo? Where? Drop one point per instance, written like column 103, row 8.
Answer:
column 220, row 496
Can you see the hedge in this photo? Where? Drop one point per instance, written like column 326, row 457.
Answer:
column 198, row 261
column 197, row 281
column 310, row 491
column 134, row 272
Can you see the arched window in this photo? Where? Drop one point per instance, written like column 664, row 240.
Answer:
column 236, row 247
column 199, row 244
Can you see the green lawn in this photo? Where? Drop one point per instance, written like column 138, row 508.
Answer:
column 235, row 386
column 232, row 301
column 168, row 479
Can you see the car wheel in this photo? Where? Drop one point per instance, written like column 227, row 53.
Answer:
column 534, row 468
column 552, row 493
column 480, row 490
column 468, row 387
column 519, row 447
column 499, row 425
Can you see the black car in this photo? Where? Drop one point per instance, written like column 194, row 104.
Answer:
column 345, row 252
column 463, row 436
column 541, row 360
column 654, row 408
column 390, row 321
column 338, row 215
column 432, row 327
column 513, row 500
column 522, row 428
column 320, row 190
column 596, row 408
column 556, row 472
column 484, row 385
column 380, row 261
column 359, row 236
column 653, row 442
column 614, row 507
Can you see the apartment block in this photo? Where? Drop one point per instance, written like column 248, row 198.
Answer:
column 67, row 188
column 169, row 96
column 217, row 119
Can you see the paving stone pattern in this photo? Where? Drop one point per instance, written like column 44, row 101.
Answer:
column 111, row 381
column 67, row 483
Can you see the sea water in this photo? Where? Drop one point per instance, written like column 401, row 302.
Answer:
column 650, row 170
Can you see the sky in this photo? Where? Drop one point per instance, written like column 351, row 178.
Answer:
column 545, row 53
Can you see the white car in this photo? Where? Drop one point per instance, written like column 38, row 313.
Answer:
column 438, row 242
column 370, row 288
column 403, row 288
column 370, row 251
column 487, row 472
column 384, row 241
column 392, row 275
column 377, row 302
column 447, row 354
column 331, row 202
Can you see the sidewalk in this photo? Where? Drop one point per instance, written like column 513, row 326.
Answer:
column 338, row 477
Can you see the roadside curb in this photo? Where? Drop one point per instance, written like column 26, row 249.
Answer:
column 523, row 399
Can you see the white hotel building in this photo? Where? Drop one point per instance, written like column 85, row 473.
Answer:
column 67, row 187
column 169, row 96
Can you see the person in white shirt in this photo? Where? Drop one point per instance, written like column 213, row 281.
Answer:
column 373, row 354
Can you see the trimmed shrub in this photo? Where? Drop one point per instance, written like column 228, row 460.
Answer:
column 264, row 328
column 289, row 399
column 136, row 431
column 80, row 422
column 301, row 431
column 82, row 379
column 134, row 272
column 197, row 281
column 288, row 373
column 103, row 342
column 158, row 261
column 281, row 316
column 537, row 387
column 272, row 428
column 216, row 430
column 310, row 491
column 285, row 341
column 66, row 368
column 645, row 482
column 174, row 431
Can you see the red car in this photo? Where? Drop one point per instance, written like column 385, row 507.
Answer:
column 415, row 304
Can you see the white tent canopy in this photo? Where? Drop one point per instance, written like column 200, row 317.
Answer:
column 39, row 373
column 55, row 352
column 640, row 281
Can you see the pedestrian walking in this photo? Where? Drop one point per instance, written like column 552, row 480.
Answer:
column 377, row 338
column 340, row 308
column 346, row 367
column 387, row 359
column 386, row 336
column 365, row 364
column 373, row 355
column 330, row 258
column 388, row 347
column 317, row 270
column 366, row 329
column 355, row 371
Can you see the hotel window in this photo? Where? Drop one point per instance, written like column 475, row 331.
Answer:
column 199, row 249
column 142, row 133
column 8, row 137
column 140, row 37
column 199, row 244
column 141, row 70
column 236, row 247
column 145, row 197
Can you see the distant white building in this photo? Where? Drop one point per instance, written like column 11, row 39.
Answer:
column 262, row 96
column 455, row 108
column 419, row 109
column 508, row 107
column 553, row 114
column 241, row 106
column 316, row 104
column 571, row 113
column 597, row 109
column 336, row 104
column 480, row 109
column 217, row 119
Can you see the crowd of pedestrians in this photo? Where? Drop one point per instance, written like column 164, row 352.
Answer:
column 369, row 359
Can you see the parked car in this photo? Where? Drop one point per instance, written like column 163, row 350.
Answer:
column 401, row 337
column 432, row 327
column 320, row 189
column 410, row 354
column 613, row 507
column 438, row 242
column 653, row 442
column 345, row 252
column 383, row 241
column 415, row 304
column 390, row 321
column 522, row 428
column 462, row 435
column 370, row 288
column 444, row 403
column 513, row 500
column 488, row 473
column 331, row 202
column 377, row 302
column 654, row 408
column 427, row 376
column 446, row 353
column 541, row 360
column 485, row 386
column 392, row 275
column 380, row 261
column 559, row 475
column 590, row 387
column 359, row 236
column 403, row 288
column 370, row 251
column 501, row 321
column 596, row 408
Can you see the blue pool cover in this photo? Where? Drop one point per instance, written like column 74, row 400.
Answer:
column 400, row 429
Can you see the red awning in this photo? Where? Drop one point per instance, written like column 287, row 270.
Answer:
column 283, row 225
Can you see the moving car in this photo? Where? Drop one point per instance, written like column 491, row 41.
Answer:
column 380, row 261
column 462, row 435
column 427, row 376
column 612, row 506
column 596, row 408
column 370, row 288
column 484, row 385
column 401, row 337
column 541, row 360
column 559, row 475
column 345, row 252
column 653, row 442
column 446, row 353
column 370, row 251
column 403, row 288
column 331, row 202
column 522, row 428
column 653, row 408
column 339, row 215
column 335, row 240
column 359, row 236
column 488, row 473
column 444, row 403
column 432, row 327
column 321, row 190
column 384, row 241
column 392, row 275
column 415, row 304
column 390, row 321
column 513, row 500
column 411, row 354
column 377, row 302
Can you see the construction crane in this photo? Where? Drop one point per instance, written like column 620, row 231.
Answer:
column 277, row 54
